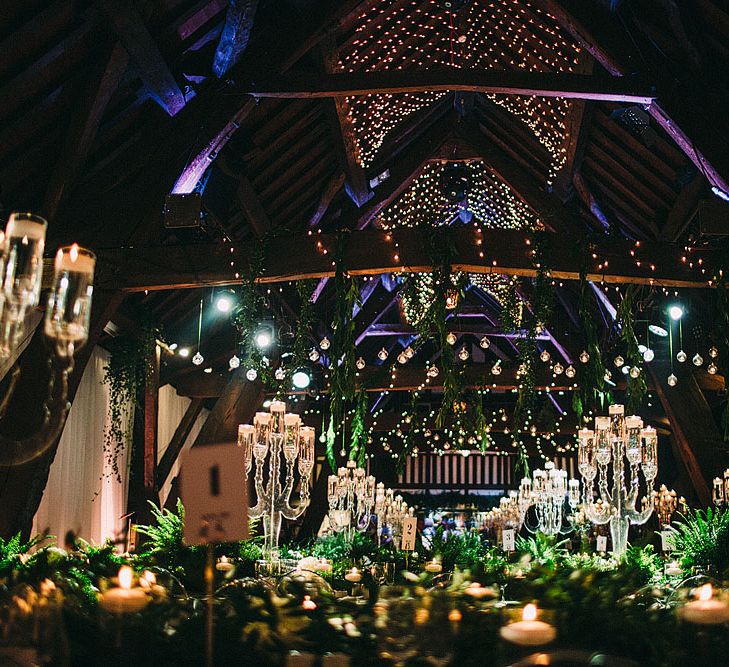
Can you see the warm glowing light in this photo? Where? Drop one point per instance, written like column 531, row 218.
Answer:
column 308, row 603
column 149, row 577
column 184, row 352
column 73, row 253
column 224, row 303
column 125, row 576
column 529, row 613
column 706, row 592
column 675, row 312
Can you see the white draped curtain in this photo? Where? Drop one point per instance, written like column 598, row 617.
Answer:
column 83, row 494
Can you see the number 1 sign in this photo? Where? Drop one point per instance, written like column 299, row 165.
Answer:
column 214, row 493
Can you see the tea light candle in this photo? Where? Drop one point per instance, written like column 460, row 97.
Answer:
column 353, row 576
column 706, row 610
column 324, row 566
column 124, row 599
column 224, row 565
column 529, row 631
column 476, row 590
column 308, row 603
column 673, row 569
column 433, row 566
column 148, row 582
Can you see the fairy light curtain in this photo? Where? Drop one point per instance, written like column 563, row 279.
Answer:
column 487, row 34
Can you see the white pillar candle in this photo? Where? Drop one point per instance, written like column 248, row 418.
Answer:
column 707, row 610
column 433, row 566
column 529, row 631
column 124, row 599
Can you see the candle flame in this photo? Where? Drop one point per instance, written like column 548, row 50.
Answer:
column 308, row 603
column 125, row 576
column 529, row 613
column 705, row 592
column 149, row 577
column 73, row 253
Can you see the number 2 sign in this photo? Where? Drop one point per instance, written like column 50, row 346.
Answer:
column 214, row 493
column 409, row 527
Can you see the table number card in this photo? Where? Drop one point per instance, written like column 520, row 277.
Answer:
column 666, row 540
column 409, row 528
column 214, row 493
column 507, row 539
column 602, row 543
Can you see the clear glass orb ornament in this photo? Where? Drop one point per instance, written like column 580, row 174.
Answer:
column 545, row 356
column 608, row 375
column 558, row 369
column 584, row 356
column 279, row 374
column 570, row 371
column 642, row 348
column 496, row 369
column 649, row 355
column 484, row 343
column 324, row 343
column 672, row 380
column 712, row 368
column 463, row 354
column 713, row 352
column 198, row 359
column 625, row 369
column 402, row 358
column 619, row 361
column 314, row 355
column 382, row 354
column 451, row 338
column 251, row 374
column 681, row 356
column 433, row 371
column 234, row 362
column 634, row 372
column 360, row 363
column 521, row 370
column 409, row 352
column 697, row 360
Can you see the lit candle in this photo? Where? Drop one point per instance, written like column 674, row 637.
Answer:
column 529, row 631
column 706, row 610
column 353, row 575
column 148, row 582
column 324, row 566
column 224, row 565
column 124, row 599
column 433, row 566
column 673, row 569
column 308, row 603
column 476, row 590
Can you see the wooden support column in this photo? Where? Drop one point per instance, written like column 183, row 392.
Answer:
column 21, row 487
column 151, row 414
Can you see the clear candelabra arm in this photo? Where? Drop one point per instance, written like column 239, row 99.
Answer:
column 277, row 447
column 351, row 496
column 547, row 492
column 615, row 454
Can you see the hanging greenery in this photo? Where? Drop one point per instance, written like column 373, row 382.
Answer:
column 624, row 321
column 358, row 431
column 130, row 367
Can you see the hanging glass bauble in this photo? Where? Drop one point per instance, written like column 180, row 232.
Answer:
column 324, row 343
column 234, row 362
column 198, row 359
column 279, row 374
column 584, row 356
column 570, row 371
column 409, row 352
column 634, row 372
column 402, row 358
column 608, row 375
column 558, row 369
column 619, row 361
column 625, row 369
column 251, row 374
column 545, row 356
column 314, row 355
column 697, row 360
column 496, row 368
column 451, row 338
column 649, row 355
column 712, row 368
column 521, row 370
column 382, row 354
column 484, row 343
column 463, row 354
column 360, row 363
column 713, row 352
column 681, row 356
column 432, row 371
column 672, row 380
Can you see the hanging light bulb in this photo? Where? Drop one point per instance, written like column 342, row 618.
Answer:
column 545, row 356
column 584, row 356
column 672, row 380
column 625, row 369
column 279, row 374
column 360, row 363
column 712, row 368
column 402, row 358
column 608, row 375
column 642, row 348
column 558, row 369
column 649, row 355
column 433, row 371
column 314, row 355
column 251, row 374
column 619, row 361
column 713, row 352
column 324, row 343
column 451, row 338
column 521, row 370
column 496, row 368
column 382, row 354
column 634, row 372
column 463, row 354
column 234, row 362
column 570, row 371
column 484, row 343
column 198, row 359
column 409, row 352
column 681, row 356
column 697, row 360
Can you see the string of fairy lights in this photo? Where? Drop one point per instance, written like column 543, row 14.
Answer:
column 487, row 34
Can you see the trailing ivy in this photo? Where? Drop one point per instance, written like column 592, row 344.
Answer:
column 358, row 434
column 129, row 368
column 624, row 319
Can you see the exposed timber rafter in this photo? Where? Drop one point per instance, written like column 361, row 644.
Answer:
column 235, row 35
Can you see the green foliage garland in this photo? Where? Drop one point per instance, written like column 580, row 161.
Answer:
column 624, row 319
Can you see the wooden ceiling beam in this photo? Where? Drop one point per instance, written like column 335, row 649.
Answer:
column 235, row 35
column 252, row 207
column 454, row 326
